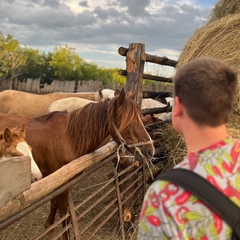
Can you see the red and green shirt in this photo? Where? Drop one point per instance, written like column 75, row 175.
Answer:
column 170, row 212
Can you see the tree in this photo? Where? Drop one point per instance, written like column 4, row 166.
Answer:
column 66, row 63
column 12, row 58
column 37, row 66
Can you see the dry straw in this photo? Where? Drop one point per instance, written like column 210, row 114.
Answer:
column 168, row 142
column 224, row 8
column 219, row 39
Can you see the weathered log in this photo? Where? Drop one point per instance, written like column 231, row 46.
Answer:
column 147, row 111
column 55, row 180
column 148, row 76
column 153, row 94
column 157, row 125
column 151, row 58
column 134, row 70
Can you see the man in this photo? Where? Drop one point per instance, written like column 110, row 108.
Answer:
column 204, row 91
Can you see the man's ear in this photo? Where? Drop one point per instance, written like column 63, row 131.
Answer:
column 178, row 107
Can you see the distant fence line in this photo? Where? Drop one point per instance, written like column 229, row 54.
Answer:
column 34, row 86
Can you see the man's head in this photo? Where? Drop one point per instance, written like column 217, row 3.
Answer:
column 206, row 88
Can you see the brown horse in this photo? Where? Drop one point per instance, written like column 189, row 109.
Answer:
column 60, row 137
column 34, row 105
column 13, row 144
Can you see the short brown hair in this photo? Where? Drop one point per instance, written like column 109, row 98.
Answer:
column 206, row 87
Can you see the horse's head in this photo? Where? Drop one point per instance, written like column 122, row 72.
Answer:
column 13, row 144
column 126, row 126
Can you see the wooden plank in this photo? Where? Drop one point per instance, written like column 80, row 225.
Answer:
column 148, row 76
column 46, row 185
column 15, row 177
column 151, row 58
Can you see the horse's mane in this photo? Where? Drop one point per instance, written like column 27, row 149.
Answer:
column 86, row 125
column 129, row 112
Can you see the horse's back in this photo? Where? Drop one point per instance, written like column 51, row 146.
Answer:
column 86, row 95
column 33, row 105
column 11, row 120
column 23, row 103
column 68, row 104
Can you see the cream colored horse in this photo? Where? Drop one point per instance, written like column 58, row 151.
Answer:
column 34, row 105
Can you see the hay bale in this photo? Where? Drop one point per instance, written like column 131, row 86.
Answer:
column 219, row 39
column 224, row 8
column 169, row 142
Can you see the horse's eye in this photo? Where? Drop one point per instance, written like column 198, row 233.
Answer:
column 16, row 154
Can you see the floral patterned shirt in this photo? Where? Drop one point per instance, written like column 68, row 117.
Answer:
column 170, row 212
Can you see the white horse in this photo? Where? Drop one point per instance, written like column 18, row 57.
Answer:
column 146, row 103
column 68, row 104
column 109, row 93
column 71, row 103
column 152, row 103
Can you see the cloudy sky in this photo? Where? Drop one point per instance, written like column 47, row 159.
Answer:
column 97, row 28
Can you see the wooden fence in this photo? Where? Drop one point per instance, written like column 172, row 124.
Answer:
column 159, row 84
column 100, row 207
column 89, row 220
column 34, row 86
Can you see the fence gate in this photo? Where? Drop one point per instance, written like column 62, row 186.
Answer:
column 96, row 206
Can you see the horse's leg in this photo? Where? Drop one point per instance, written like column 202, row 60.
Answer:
column 62, row 201
column 59, row 203
column 52, row 214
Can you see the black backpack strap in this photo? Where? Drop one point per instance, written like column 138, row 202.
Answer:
column 207, row 193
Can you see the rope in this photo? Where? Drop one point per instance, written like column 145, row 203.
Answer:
column 137, row 149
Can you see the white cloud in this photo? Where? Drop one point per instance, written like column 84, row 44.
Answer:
column 97, row 28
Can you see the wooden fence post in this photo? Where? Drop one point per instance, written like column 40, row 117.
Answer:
column 135, row 59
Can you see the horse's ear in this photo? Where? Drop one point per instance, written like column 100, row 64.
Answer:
column 7, row 135
column 121, row 96
column 100, row 95
column 116, row 92
column 23, row 130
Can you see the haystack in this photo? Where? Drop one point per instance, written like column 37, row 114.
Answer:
column 224, row 8
column 219, row 39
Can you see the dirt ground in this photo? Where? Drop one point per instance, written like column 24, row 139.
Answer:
column 31, row 225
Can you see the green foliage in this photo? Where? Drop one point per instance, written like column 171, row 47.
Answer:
column 38, row 66
column 61, row 64
column 66, row 63
column 12, row 57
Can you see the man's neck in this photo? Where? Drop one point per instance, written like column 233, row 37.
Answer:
column 202, row 137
